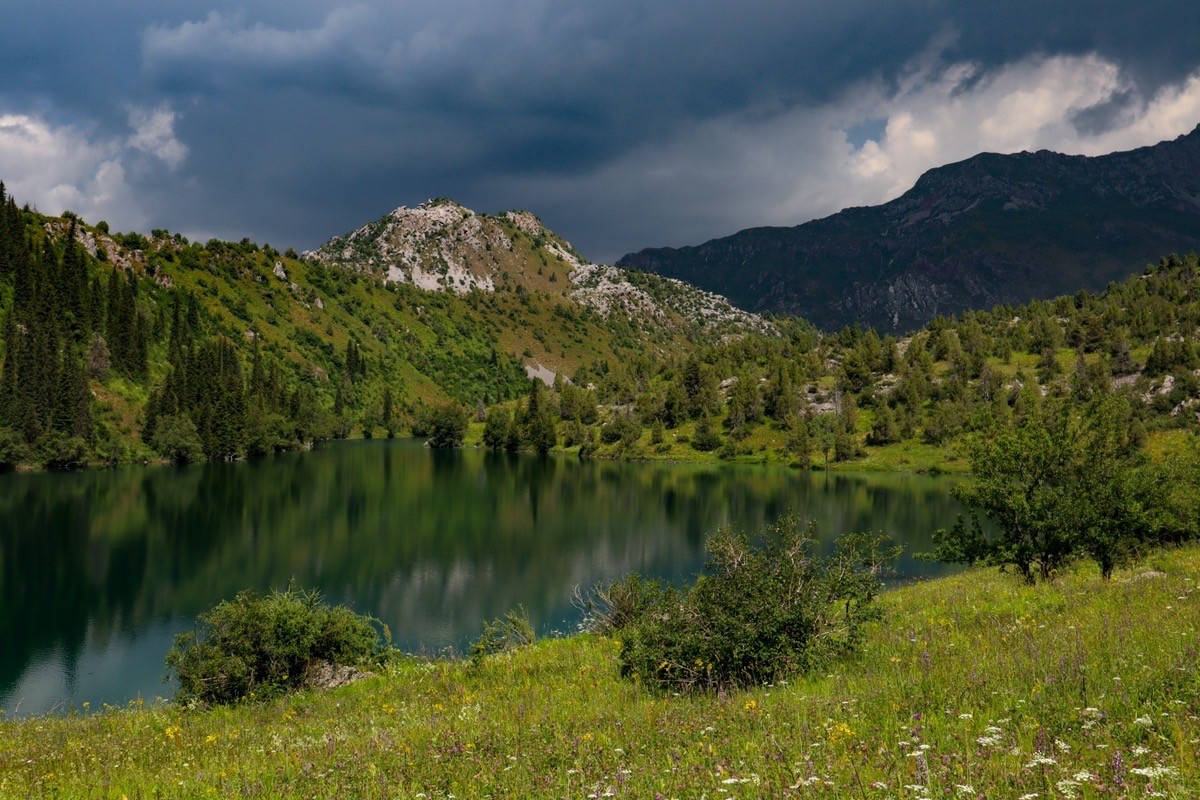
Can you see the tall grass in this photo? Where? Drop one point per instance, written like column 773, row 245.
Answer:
column 973, row 686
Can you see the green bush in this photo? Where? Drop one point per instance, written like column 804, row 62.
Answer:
column 761, row 612
column 256, row 647
column 505, row 633
column 175, row 437
column 445, row 424
column 13, row 451
column 58, row 451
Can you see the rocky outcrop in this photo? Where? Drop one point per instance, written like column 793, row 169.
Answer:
column 443, row 246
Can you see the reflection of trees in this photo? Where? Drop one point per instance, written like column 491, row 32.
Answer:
column 431, row 542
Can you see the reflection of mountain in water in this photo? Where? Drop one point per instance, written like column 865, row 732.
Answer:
column 430, row 542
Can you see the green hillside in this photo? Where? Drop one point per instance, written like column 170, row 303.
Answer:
column 430, row 322
column 143, row 326
column 855, row 399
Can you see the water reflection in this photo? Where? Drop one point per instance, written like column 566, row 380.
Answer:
column 99, row 569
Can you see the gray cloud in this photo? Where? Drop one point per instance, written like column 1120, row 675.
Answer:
column 623, row 124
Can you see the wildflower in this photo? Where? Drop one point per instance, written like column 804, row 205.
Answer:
column 1145, row 722
column 1154, row 772
column 750, row 705
column 964, row 788
column 840, row 732
column 1040, row 760
column 1067, row 788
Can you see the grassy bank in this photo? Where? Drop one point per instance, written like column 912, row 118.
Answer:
column 971, row 686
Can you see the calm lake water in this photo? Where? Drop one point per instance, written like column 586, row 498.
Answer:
column 99, row 570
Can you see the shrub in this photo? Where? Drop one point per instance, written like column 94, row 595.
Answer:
column 57, row 451
column 444, row 424
column 761, row 612
column 13, row 451
column 505, row 633
column 622, row 428
column 175, row 437
column 256, row 647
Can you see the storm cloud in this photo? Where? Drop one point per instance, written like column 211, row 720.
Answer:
column 622, row 124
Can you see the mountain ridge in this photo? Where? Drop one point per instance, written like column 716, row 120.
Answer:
column 991, row 229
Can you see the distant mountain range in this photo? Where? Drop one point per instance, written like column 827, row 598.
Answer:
column 990, row 230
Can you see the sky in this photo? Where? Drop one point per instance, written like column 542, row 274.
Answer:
column 622, row 124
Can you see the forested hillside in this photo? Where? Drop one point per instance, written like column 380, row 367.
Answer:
column 860, row 398
column 125, row 347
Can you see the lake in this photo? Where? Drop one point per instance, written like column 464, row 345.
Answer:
column 100, row 569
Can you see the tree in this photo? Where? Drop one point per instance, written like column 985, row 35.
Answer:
column 704, row 438
column 883, row 429
column 1116, row 496
column 1057, row 486
column 540, row 432
column 175, row 438
column 1021, row 481
column 495, row 428
column 800, row 439
column 447, row 425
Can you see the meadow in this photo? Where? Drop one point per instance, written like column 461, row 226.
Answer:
column 970, row 686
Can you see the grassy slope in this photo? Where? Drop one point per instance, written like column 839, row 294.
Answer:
column 1058, row 690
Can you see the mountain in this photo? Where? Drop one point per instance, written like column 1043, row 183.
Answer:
column 443, row 246
column 994, row 229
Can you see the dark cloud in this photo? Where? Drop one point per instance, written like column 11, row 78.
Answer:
column 302, row 119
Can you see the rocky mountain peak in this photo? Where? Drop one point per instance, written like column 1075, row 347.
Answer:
column 443, row 246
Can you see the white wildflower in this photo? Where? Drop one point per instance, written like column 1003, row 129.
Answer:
column 1067, row 788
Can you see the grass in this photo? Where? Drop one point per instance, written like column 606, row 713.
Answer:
column 971, row 686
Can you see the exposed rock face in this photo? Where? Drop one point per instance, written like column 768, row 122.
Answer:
column 443, row 246
column 992, row 229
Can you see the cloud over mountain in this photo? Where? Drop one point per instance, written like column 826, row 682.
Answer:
column 624, row 123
